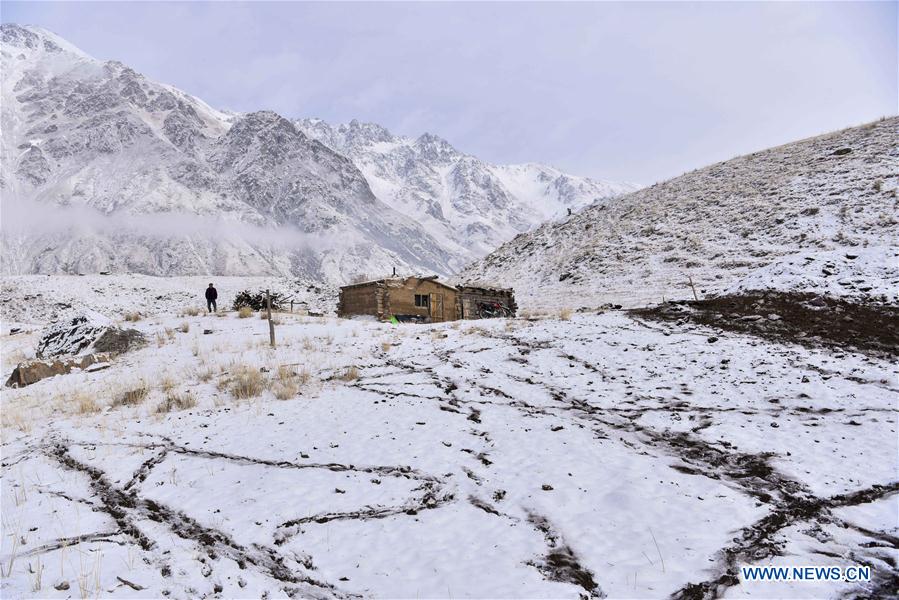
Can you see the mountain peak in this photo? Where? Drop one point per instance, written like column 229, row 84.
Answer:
column 33, row 39
column 435, row 148
column 359, row 133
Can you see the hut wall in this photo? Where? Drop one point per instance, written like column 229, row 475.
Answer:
column 361, row 300
column 400, row 299
column 471, row 297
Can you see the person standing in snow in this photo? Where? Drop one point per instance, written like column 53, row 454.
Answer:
column 211, row 295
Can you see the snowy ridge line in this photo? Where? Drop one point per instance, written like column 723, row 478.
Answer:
column 466, row 203
column 831, row 199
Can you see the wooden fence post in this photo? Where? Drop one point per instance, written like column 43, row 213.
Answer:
column 690, row 279
column 271, row 325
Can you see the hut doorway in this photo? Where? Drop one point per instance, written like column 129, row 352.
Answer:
column 436, row 307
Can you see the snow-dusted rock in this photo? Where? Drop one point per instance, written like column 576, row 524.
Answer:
column 32, row 371
column 72, row 335
column 85, row 334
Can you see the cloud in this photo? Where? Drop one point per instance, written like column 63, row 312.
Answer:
column 25, row 218
column 627, row 91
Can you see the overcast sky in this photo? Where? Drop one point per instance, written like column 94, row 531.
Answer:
column 638, row 92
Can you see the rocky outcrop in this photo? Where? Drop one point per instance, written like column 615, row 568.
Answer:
column 87, row 333
column 70, row 336
column 33, row 371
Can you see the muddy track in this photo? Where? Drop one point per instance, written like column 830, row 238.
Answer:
column 758, row 541
column 790, row 501
column 167, row 446
column 432, row 497
column 65, row 542
column 561, row 563
column 127, row 507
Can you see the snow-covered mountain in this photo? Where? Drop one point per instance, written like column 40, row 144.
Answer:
column 466, row 203
column 819, row 214
column 142, row 177
column 152, row 180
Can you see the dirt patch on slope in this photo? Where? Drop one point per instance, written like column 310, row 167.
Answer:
column 802, row 318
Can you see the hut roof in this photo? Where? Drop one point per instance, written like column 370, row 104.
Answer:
column 397, row 281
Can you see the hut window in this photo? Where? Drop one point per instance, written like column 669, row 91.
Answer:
column 422, row 300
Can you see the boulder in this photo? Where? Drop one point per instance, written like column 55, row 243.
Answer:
column 86, row 334
column 71, row 336
column 33, row 371
column 115, row 340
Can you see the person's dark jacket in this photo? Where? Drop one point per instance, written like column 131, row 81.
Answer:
column 211, row 293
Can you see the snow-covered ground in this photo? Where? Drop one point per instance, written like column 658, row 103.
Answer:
column 43, row 298
column 597, row 455
column 860, row 274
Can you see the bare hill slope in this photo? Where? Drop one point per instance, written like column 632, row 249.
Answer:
column 795, row 210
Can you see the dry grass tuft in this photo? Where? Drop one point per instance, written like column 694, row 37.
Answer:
column 177, row 401
column 247, row 382
column 132, row 397
column 85, row 404
column 351, row 373
column 288, row 381
column 304, row 376
column 386, row 346
column 191, row 311
column 133, row 316
column 285, row 373
column 285, row 390
column 166, row 384
column 184, row 327
column 206, row 374
column 565, row 314
column 244, row 311
column 15, row 418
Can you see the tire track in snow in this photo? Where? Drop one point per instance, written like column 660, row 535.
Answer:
column 127, row 507
column 791, row 501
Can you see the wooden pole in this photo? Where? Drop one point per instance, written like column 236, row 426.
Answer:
column 695, row 297
column 271, row 326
